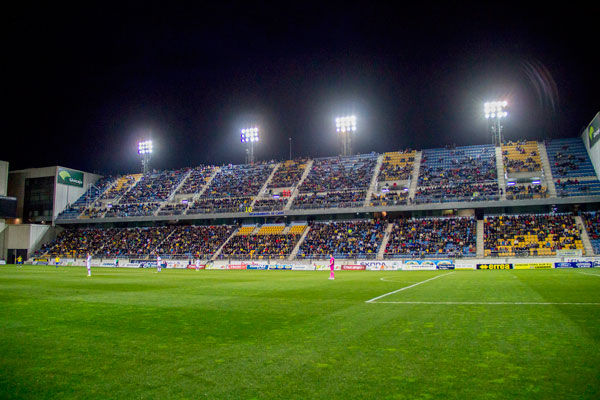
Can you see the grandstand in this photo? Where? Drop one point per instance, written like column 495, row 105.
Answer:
column 493, row 188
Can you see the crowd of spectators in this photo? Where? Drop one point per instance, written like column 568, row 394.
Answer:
column 397, row 166
column 460, row 192
column 389, row 198
column 522, row 192
column 340, row 173
column 239, row 180
column 349, row 198
column 469, row 164
column 154, row 187
column 173, row 208
column 530, row 235
column 270, row 204
column 224, row 205
column 123, row 184
column 288, row 174
column 196, row 180
column 196, row 241
column 131, row 210
column 575, row 187
column 260, row 246
column 433, row 237
column 592, row 226
column 521, row 156
column 355, row 239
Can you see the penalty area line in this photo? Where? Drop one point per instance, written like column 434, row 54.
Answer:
column 406, row 287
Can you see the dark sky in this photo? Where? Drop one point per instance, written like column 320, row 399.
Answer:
column 84, row 83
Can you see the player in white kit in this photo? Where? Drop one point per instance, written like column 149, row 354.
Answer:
column 158, row 263
column 197, row 264
column 88, row 264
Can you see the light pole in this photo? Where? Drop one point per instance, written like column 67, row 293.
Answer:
column 145, row 152
column 346, row 126
column 249, row 136
column 494, row 112
column 290, row 149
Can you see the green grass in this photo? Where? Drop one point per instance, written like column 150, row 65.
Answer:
column 136, row 334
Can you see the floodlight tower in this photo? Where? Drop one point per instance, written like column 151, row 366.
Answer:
column 346, row 126
column 145, row 152
column 494, row 112
column 250, row 136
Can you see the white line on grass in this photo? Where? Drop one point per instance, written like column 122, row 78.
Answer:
column 483, row 303
column 406, row 287
column 585, row 273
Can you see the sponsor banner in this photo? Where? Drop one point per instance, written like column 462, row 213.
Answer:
column 382, row 265
column 464, row 267
column 495, row 266
column 303, row 267
column 281, row 266
column 354, row 267
column 578, row 264
column 37, row 259
column 193, row 266
column 593, row 131
column 236, row 266
column 257, row 266
column 323, row 267
column 428, row 264
column 595, row 262
column 546, row 265
column 69, row 177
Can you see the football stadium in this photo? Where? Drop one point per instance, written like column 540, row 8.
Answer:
column 376, row 271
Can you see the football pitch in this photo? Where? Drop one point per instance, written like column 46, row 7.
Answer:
column 184, row 334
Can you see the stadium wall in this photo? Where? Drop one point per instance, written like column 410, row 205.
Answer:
column 27, row 237
column 591, row 138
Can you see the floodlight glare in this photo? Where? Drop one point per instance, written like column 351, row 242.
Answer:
column 494, row 111
column 145, row 147
column 346, row 126
column 250, row 135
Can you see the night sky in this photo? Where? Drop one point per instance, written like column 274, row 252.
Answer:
column 85, row 83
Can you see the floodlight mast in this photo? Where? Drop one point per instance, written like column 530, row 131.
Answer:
column 346, row 126
column 145, row 153
column 494, row 112
column 250, row 136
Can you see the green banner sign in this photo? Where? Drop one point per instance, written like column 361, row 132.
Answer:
column 593, row 130
column 70, row 177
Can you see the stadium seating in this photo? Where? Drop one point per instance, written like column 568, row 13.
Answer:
column 521, row 156
column 592, row 225
column 354, row 239
column 340, row 173
column 569, row 159
column 530, row 234
column 432, row 238
column 196, row 180
column 397, row 165
column 288, row 174
column 465, row 173
column 527, row 191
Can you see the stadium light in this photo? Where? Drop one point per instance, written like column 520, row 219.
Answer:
column 145, row 152
column 494, row 111
column 346, row 126
column 250, row 136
